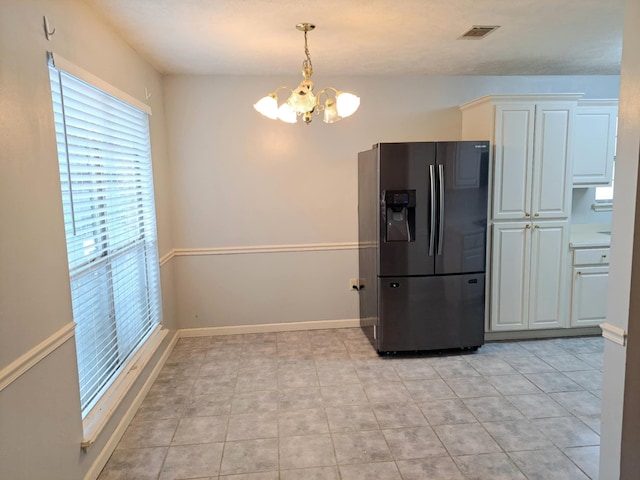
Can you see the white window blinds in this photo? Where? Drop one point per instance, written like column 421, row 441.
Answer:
column 107, row 195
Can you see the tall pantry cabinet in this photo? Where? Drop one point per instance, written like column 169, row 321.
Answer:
column 530, row 205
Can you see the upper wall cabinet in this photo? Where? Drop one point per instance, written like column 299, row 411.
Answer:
column 531, row 137
column 594, row 144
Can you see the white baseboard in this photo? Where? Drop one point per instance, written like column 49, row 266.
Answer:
column 116, row 436
column 613, row 333
column 269, row 327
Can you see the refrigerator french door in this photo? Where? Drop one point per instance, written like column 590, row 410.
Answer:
column 422, row 231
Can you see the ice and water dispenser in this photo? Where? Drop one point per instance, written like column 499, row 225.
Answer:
column 399, row 212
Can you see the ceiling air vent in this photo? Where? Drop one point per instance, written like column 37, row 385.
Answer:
column 478, row 32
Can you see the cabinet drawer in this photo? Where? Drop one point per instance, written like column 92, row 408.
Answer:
column 590, row 256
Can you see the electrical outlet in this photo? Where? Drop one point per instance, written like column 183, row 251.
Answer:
column 354, row 284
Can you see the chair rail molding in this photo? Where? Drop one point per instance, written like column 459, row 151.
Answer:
column 254, row 249
column 24, row 362
column 243, row 250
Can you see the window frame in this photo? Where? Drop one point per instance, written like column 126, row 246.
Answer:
column 136, row 245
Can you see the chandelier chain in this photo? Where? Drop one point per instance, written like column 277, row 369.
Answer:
column 307, row 63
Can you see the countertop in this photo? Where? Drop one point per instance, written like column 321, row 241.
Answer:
column 584, row 235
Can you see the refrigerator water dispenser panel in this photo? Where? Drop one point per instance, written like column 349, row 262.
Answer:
column 399, row 211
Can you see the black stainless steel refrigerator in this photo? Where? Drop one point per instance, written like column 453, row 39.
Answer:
column 422, row 215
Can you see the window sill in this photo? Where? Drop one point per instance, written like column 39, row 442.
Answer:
column 99, row 416
column 602, row 206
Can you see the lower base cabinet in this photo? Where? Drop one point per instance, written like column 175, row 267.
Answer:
column 528, row 275
column 589, row 287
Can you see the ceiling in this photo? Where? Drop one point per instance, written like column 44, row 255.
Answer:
column 372, row 37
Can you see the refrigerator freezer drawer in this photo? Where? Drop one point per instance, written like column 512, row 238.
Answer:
column 430, row 313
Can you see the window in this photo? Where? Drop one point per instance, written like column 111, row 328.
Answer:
column 604, row 195
column 109, row 215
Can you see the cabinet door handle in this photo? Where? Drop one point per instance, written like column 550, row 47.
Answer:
column 537, row 226
column 527, row 214
column 603, row 255
column 537, row 215
column 527, row 226
column 578, row 273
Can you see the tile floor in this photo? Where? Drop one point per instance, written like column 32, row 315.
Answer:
column 322, row 405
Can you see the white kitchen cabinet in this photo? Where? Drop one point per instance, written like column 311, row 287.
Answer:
column 510, row 272
column 589, row 296
column 532, row 140
column 589, row 286
column 513, row 164
column 594, row 143
column 528, row 282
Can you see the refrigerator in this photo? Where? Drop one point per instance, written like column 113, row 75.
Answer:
column 422, row 240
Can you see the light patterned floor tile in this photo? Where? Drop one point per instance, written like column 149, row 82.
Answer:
column 468, row 439
column 250, row 456
column 587, row 458
column 306, row 451
column 322, row 405
column 448, row 411
column 435, row 468
column 361, row 447
column 490, row 466
column 548, row 464
column 414, row 442
column 518, row 435
column 192, row 461
column 379, row 471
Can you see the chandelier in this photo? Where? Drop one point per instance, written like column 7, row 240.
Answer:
column 302, row 101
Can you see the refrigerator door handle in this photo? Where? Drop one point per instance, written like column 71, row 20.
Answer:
column 432, row 228
column 441, row 213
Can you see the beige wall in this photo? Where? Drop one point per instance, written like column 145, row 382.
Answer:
column 40, row 424
column 242, row 180
column 224, row 179
column 621, row 378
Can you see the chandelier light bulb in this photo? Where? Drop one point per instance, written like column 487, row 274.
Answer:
column 287, row 113
column 330, row 111
column 303, row 102
column 268, row 106
column 347, row 103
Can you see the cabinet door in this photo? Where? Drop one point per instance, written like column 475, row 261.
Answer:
column 594, row 145
column 589, row 296
column 548, row 289
column 552, row 172
column 510, row 264
column 513, row 156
